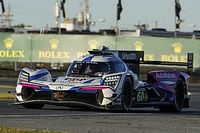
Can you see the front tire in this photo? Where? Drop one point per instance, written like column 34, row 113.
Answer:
column 29, row 94
column 127, row 95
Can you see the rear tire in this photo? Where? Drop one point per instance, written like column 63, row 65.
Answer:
column 178, row 98
column 127, row 95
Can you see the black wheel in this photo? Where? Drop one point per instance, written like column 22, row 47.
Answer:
column 127, row 95
column 178, row 98
column 33, row 106
column 27, row 95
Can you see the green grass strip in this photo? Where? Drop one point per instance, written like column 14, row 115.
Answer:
column 6, row 96
column 17, row 130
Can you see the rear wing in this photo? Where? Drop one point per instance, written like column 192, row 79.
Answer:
column 134, row 58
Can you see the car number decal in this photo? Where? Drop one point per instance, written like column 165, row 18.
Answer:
column 141, row 96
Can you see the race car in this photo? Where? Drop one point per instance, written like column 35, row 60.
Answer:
column 105, row 79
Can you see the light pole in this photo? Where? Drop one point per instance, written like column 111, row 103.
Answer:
column 57, row 14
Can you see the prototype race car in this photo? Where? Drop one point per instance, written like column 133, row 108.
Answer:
column 105, row 79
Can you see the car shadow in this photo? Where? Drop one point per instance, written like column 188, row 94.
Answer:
column 134, row 111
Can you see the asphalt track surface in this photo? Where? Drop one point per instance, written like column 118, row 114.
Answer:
column 142, row 120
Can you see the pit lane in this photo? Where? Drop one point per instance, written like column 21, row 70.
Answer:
column 97, row 121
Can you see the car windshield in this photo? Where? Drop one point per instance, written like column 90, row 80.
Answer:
column 91, row 69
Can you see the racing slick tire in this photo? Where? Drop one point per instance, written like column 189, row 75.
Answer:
column 127, row 95
column 178, row 98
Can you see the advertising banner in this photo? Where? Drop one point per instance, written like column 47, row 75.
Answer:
column 15, row 47
column 65, row 48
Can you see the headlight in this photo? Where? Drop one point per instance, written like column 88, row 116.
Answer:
column 112, row 81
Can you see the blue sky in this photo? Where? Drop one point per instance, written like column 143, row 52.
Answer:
column 41, row 12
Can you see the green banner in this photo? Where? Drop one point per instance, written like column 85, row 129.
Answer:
column 162, row 49
column 15, row 47
column 65, row 48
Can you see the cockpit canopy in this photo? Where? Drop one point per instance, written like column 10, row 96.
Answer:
column 95, row 68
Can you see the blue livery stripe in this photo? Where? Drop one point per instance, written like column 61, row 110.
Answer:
column 38, row 76
column 74, row 89
column 88, row 59
column 89, row 81
column 45, row 88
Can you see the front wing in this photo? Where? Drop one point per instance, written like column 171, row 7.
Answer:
column 102, row 97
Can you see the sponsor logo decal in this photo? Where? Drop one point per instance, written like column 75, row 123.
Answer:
column 76, row 80
column 168, row 82
column 128, row 56
column 165, row 75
